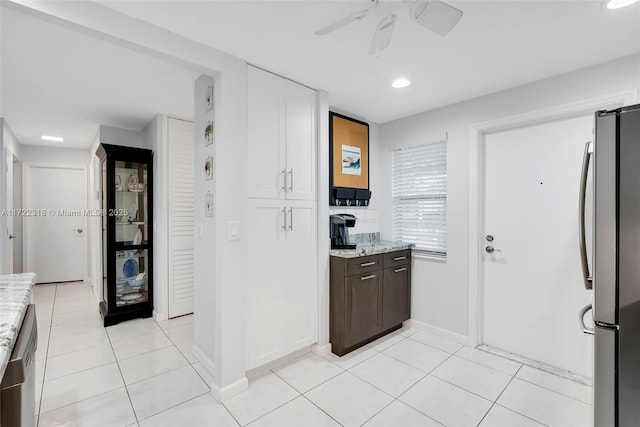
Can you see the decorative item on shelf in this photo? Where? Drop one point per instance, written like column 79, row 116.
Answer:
column 118, row 183
column 209, row 98
column 208, row 204
column 130, row 269
column 137, row 238
column 120, row 282
column 136, row 281
column 133, row 213
column 349, row 161
column 208, row 133
column 137, row 188
column 208, row 168
column 133, row 179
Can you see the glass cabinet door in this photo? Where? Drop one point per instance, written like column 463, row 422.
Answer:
column 131, row 277
column 131, row 203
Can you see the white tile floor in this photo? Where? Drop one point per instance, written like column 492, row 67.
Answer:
column 142, row 373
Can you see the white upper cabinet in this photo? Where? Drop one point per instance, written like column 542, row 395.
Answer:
column 282, row 138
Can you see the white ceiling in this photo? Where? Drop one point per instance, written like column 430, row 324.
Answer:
column 60, row 81
column 56, row 81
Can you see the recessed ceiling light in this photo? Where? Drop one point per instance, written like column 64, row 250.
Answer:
column 617, row 4
column 400, row 83
column 52, row 138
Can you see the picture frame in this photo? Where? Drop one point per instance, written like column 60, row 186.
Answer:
column 208, row 204
column 209, row 98
column 348, row 161
column 208, row 168
column 208, row 133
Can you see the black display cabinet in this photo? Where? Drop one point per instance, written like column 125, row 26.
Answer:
column 127, row 233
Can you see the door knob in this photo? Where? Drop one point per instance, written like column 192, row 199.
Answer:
column 490, row 249
column 489, row 238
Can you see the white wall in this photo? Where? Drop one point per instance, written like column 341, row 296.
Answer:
column 154, row 137
column 440, row 289
column 59, row 155
column 9, row 145
column 126, row 137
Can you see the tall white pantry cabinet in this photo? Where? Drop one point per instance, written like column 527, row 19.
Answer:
column 282, row 294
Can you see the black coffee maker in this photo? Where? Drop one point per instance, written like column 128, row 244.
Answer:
column 338, row 225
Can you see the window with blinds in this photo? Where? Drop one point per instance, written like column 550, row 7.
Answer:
column 419, row 191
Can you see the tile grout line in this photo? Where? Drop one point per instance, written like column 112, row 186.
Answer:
column 494, row 403
column 46, row 356
column 123, row 380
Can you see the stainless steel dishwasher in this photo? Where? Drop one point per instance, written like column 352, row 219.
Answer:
column 18, row 387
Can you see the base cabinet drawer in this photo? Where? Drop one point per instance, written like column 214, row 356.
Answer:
column 369, row 297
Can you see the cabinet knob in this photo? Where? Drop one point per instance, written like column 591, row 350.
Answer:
column 372, row 276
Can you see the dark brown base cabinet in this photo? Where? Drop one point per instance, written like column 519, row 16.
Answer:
column 370, row 296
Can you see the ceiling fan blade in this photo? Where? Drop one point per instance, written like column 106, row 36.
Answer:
column 342, row 22
column 436, row 16
column 382, row 36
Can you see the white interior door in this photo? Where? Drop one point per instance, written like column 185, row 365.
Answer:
column 181, row 193
column 532, row 287
column 54, row 222
column 8, row 235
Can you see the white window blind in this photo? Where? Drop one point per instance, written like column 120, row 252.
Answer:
column 419, row 191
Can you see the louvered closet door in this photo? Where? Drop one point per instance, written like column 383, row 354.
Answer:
column 181, row 193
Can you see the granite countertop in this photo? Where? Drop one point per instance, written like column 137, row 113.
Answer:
column 15, row 296
column 371, row 248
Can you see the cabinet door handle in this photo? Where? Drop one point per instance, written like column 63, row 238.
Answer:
column 366, row 264
column 291, row 219
column 284, row 180
column 398, row 270
column 399, row 258
column 372, row 276
column 291, row 180
column 284, row 217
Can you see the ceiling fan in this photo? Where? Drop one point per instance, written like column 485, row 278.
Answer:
column 434, row 15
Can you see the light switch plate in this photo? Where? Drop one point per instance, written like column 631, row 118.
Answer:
column 234, row 230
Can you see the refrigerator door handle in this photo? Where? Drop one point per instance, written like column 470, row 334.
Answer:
column 588, row 281
column 581, row 317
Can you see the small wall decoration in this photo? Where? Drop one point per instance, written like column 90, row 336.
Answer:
column 208, row 168
column 209, row 98
column 349, row 161
column 208, row 204
column 208, row 133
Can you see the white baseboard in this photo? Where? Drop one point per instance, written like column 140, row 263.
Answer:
column 225, row 393
column 158, row 316
column 321, row 350
column 208, row 364
column 452, row 336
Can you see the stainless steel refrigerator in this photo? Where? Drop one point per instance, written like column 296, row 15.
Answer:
column 616, row 265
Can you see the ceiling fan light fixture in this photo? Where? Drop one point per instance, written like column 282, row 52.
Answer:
column 618, row 4
column 436, row 16
column 382, row 36
column 400, row 83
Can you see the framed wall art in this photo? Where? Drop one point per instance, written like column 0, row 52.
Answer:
column 348, row 161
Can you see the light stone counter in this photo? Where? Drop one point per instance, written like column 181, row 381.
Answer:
column 373, row 248
column 15, row 296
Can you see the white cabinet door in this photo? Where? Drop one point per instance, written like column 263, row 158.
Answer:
column 302, row 276
column 181, row 198
column 301, row 142
column 266, row 290
column 266, row 119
